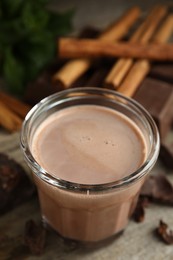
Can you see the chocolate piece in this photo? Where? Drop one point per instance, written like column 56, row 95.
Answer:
column 81, row 81
column 15, row 186
column 164, row 233
column 158, row 189
column 97, row 78
column 43, row 86
column 89, row 32
column 166, row 154
column 139, row 213
column 34, row 237
column 163, row 72
column 96, row 74
column 40, row 88
column 157, row 97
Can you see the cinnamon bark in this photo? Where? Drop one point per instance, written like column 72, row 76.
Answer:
column 72, row 48
column 142, row 35
column 8, row 119
column 141, row 67
column 17, row 106
column 120, row 28
column 75, row 68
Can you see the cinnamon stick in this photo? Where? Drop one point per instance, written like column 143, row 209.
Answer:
column 17, row 106
column 143, row 34
column 75, row 68
column 141, row 67
column 8, row 119
column 120, row 28
column 72, row 48
column 165, row 31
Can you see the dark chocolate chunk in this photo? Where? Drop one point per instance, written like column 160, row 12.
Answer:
column 163, row 72
column 15, row 186
column 164, row 233
column 157, row 97
column 43, row 85
column 39, row 88
column 97, row 78
column 139, row 212
column 34, row 237
column 166, row 154
column 81, row 81
column 158, row 189
column 96, row 74
column 89, row 32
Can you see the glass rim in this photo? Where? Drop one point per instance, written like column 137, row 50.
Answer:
column 72, row 186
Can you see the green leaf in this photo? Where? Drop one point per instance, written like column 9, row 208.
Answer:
column 39, row 56
column 11, row 32
column 1, row 12
column 41, row 2
column 60, row 23
column 34, row 19
column 11, row 7
column 13, row 72
column 28, row 31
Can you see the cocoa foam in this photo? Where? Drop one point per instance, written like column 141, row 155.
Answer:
column 89, row 144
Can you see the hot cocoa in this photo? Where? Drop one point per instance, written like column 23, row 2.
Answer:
column 90, row 151
column 88, row 144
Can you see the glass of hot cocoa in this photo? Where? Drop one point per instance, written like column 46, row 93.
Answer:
column 90, row 151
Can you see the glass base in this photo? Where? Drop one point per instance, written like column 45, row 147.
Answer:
column 83, row 244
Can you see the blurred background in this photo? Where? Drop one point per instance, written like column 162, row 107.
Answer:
column 101, row 12
column 29, row 31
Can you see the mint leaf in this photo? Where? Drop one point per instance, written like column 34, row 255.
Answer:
column 11, row 7
column 28, row 32
column 11, row 32
column 39, row 56
column 34, row 18
column 60, row 23
column 13, row 71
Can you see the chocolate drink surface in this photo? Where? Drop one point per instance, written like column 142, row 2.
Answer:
column 90, row 151
column 89, row 144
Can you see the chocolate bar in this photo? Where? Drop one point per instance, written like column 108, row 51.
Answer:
column 158, row 188
column 39, row 88
column 166, row 155
column 97, row 78
column 164, row 233
column 163, row 72
column 15, row 186
column 34, row 237
column 157, row 97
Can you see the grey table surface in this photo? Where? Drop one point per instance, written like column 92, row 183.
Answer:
column 101, row 13
column 137, row 242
